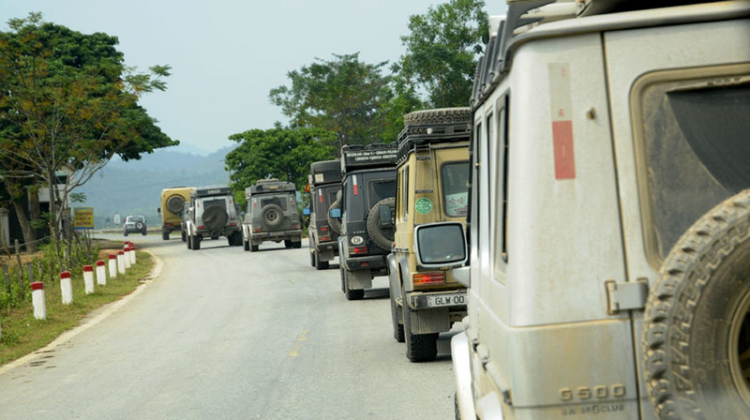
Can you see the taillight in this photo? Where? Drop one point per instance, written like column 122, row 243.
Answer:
column 324, row 228
column 325, row 238
column 233, row 224
column 256, row 230
column 360, row 250
column 427, row 279
column 201, row 227
column 295, row 226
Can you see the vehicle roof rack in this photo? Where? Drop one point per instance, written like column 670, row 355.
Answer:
column 358, row 157
column 271, row 185
column 210, row 190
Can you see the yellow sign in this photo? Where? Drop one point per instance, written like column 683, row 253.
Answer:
column 83, row 218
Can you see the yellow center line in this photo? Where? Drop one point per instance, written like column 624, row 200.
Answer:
column 298, row 345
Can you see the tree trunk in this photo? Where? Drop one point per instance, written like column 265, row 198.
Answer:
column 29, row 236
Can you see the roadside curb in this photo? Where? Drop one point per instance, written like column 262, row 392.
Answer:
column 98, row 316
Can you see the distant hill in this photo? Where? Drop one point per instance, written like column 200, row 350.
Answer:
column 134, row 187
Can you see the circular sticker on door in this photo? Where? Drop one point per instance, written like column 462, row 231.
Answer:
column 423, row 206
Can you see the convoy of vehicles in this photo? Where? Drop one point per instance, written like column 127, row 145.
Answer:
column 211, row 214
column 431, row 186
column 172, row 204
column 271, row 215
column 323, row 236
column 587, row 218
column 369, row 181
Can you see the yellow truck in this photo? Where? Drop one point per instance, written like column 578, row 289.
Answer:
column 172, row 204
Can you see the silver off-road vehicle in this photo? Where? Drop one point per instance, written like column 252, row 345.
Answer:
column 325, row 184
column 369, row 182
column 212, row 213
column 271, row 215
column 609, row 238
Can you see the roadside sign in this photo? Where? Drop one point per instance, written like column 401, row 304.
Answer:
column 83, row 218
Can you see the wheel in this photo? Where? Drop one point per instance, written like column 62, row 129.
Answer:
column 245, row 245
column 419, row 347
column 320, row 265
column 175, row 204
column 144, row 232
column 382, row 236
column 287, row 243
column 196, row 242
column 237, row 235
column 297, row 245
column 351, row 294
column 271, row 215
column 253, row 248
column 696, row 339
column 184, row 237
column 165, row 236
column 125, row 233
column 189, row 242
column 335, row 224
column 398, row 326
column 312, row 258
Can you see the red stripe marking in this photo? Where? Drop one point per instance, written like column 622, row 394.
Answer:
column 565, row 162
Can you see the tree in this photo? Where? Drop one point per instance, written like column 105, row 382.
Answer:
column 282, row 153
column 68, row 103
column 344, row 96
column 442, row 51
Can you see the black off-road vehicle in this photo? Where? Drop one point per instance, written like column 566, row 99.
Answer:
column 325, row 184
column 369, row 181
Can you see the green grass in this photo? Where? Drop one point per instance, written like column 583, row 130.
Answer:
column 22, row 334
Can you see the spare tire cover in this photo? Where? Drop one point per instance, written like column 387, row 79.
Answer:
column 271, row 215
column 215, row 218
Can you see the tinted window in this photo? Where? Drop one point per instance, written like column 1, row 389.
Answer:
column 455, row 185
column 210, row 203
column 380, row 189
column 279, row 201
column 695, row 142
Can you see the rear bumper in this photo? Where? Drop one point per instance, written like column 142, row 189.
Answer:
column 372, row 262
column 278, row 235
column 329, row 246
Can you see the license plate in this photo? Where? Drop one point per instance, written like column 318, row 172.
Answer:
column 446, row 300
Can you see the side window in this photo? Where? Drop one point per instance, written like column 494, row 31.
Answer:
column 477, row 178
column 501, row 179
column 455, row 180
column 406, row 193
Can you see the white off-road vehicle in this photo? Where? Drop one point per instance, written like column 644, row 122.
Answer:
column 609, row 239
column 212, row 213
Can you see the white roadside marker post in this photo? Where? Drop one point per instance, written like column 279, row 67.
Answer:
column 101, row 275
column 120, row 262
column 132, row 253
column 37, row 299
column 88, row 279
column 112, row 266
column 66, row 286
column 126, row 256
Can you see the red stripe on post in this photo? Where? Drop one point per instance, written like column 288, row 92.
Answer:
column 120, row 252
column 565, row 162
column 65, row 275
column 112, row 256
column 37, row 285
column 88, row 268
column 99, row 263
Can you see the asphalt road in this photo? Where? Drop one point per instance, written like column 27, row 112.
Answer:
column 223, row 333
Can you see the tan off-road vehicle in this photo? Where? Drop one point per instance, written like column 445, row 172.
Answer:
column 271, row 215
column 609, row 231
column 431, row 186
column 172, row 204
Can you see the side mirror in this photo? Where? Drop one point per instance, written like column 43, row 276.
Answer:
column 306, row 211
column 440, row 245
column 335, row 213
column 386, row 217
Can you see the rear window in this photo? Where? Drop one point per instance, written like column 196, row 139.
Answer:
column 454, row 177
column 279, row 201
column 696, row 150
column 210, row 203
column 380, row 189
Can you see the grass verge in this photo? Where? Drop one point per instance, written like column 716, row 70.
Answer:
column 23, row 334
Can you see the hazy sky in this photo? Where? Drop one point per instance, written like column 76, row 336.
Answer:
column 226, row 55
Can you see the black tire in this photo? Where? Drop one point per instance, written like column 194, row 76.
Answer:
column 184, row 237
column 335, row 224
column 383, row 238
column 245, row 245
column 287, row 243
column 189, row 242
column 254, row 248
column 312, row 258
column 419, row 347
column 125, row 233
column 696, row 320
column 351, row 294
column 398, row 327
column 297, row 245
column 235, row 239
column 271, row 215
column 440, row 115
column 320, row 265
column 215, row 218
column 165, row 236
column 175, row 204
column 196, row 242
column 144, row 232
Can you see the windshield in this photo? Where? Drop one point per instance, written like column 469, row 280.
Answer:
column 697, row 150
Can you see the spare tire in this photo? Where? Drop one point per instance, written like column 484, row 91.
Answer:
column 696, row 340
column 383, row 237
column 271, row 215
column 215, row 218
column 175, row 203
column 334, row 223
